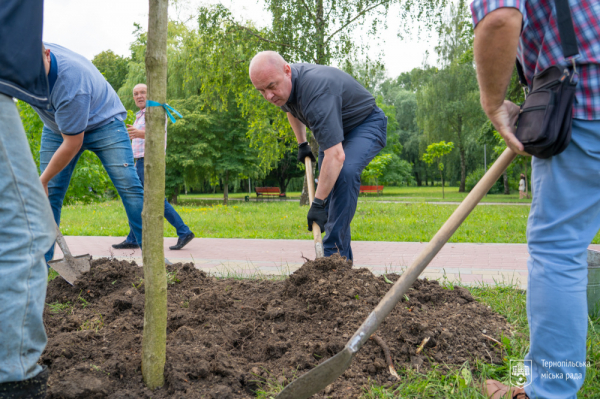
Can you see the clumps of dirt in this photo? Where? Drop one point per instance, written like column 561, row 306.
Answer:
column 229, row 338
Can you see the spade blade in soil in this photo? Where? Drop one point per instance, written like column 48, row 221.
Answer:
column 318, row 378
column 71, row 271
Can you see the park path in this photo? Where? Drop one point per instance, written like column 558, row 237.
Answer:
column 468, row 263
column 378, row 201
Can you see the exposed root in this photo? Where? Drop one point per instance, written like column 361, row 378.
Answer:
column 420, row 348
column 387, row 355
column 492, row 339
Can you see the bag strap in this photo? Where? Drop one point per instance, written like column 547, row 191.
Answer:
column 566, row 32
column 568, row 40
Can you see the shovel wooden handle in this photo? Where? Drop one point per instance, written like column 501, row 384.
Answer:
column 310, row 182
column 62, row 244
column 407, row 279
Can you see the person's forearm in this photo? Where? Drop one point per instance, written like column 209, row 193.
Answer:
column 298, row 128
column 61, row 158
column 495, row 51
column 330, row 171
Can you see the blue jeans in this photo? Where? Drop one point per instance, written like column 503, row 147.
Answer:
column 361, row 145
column 170, row 213
column 564, row 218
column 27, row 232
column 111, row 144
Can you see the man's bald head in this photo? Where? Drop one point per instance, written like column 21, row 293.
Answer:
column 140, row 92
column 266, row 60
column 140, row 86
column 272, row 76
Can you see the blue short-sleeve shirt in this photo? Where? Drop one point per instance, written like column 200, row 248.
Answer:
column 81, row 99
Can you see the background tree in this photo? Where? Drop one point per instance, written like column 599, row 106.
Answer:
column 401, row 94
column 287, row 169
column 375, row 168
column 448, row 105
column 191, row 146
column 113, row 67
column 434, row 154
column 235, row 157
column 316, row 31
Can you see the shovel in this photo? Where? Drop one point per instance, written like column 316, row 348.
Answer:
column 310, row 183
column 70, row 267
column 327, row 372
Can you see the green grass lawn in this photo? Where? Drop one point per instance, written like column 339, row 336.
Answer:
column 460, row 382
column 286, row 220
column 409, row 194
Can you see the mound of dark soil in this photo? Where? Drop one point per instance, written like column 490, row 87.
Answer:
column 226, row 337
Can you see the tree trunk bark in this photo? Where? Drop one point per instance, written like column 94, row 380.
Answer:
column 463, row 170
column 505, row 179
column 442, row 177
column 226, row 188
column 155, row 280
column 461, row 151
column 526, row 181
column 417, row 176
column 174, row 196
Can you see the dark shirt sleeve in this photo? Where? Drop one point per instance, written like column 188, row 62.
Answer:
column 324, row 116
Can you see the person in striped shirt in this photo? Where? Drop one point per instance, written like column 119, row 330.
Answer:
column 565, row 215
column 137, row 134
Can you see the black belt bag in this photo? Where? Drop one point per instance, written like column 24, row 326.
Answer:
column 544, row 124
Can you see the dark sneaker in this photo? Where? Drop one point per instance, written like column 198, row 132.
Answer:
column 182, row 241
column 496, row 390
column 125, row 245
column 33, row 388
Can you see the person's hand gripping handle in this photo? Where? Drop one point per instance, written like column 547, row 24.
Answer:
column 310, row 182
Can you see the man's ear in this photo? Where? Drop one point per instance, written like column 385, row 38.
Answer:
column 287, row 69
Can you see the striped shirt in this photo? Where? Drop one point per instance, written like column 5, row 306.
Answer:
column 138, row 144
column 539, row 45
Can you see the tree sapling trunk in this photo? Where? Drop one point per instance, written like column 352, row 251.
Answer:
column 155, row 280
column 226, row 188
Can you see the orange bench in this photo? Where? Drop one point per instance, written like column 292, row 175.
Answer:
column 371, row 189
column 268, row 192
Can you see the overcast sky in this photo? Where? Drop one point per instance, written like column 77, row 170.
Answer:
column 90, row 27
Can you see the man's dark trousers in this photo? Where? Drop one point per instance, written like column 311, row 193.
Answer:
column 170, row 213
column 361, row 145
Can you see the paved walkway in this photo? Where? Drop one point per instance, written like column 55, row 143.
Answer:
column 253, row 199
column 468, row 263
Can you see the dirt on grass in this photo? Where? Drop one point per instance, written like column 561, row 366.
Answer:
column 231, row 338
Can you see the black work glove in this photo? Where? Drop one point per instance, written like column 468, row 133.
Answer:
column 305, row 151
column 318, row 214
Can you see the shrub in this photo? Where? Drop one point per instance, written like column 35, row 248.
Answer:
column 474, row 177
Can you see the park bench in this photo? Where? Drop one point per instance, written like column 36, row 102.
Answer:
column 269, row 192
column 371, row 189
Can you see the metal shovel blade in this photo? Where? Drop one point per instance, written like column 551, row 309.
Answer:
column 319, row 377
column 71, row 271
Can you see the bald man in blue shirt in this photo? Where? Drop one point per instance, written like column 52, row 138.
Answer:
column 85, row 113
